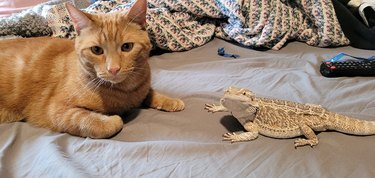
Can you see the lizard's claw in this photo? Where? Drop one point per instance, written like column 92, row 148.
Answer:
column 303, row 142
column 215, row 108
column 232, row 137
column 212, row 108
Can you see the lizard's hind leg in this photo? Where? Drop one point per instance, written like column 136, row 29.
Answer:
column 311, row 138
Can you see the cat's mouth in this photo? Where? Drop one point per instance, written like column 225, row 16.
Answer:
column 119, row 77
column 113, row 79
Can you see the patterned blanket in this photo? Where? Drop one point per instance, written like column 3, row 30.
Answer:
column 178, row 25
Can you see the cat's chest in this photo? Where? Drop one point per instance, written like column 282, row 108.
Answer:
column 119, row 103
column 113, row 102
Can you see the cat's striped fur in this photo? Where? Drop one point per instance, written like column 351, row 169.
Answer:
column 81, row 87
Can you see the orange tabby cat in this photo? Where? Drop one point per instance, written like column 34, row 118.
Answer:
column 80, row 87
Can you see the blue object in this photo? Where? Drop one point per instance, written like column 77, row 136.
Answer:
column 346, row 57
column 221, row 52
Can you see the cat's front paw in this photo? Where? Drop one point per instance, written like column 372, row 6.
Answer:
column 161, row 102
column 172, row 105
column 107, row 127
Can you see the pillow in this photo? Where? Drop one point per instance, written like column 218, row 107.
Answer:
column 8, row 7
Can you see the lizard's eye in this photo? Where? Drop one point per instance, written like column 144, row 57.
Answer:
column 244, row 93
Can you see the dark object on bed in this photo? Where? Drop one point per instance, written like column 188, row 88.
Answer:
column 221, row 52
column 355, row 30
column 345, row 65
column 348, row 68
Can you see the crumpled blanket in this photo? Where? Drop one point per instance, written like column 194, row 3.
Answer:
column 32, row 22
column 178, row 25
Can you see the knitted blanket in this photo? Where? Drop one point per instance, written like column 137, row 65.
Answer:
column 178, row 25
column 32, row 22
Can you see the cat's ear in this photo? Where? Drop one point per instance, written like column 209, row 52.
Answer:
column 137, row 12
column 79, row 18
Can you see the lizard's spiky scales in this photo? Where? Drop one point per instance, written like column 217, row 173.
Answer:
column 284, row 119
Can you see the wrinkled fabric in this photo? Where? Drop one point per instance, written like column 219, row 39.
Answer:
column 189, row 143
column 179, row 25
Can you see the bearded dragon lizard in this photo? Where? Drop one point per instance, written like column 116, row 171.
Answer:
column 284, row 119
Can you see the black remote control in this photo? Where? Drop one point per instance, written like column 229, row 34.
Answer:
column 348, row 68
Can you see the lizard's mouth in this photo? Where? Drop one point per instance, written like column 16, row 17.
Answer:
column 242, row 98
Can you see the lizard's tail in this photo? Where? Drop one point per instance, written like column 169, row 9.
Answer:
column 351, row 125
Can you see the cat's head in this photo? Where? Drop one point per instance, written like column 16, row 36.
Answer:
column 113, row 46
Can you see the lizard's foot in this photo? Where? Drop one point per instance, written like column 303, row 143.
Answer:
column 303, row 142
column 214, row 108
column 233, row 137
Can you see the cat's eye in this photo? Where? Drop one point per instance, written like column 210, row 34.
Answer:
column 127, row 47
column 97, row 50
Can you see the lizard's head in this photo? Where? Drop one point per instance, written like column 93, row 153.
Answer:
column 241, row 103
column 239, row 91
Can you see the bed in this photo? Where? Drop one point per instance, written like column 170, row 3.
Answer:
column 189, row 143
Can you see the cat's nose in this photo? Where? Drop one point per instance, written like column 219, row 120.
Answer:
column 114, row 70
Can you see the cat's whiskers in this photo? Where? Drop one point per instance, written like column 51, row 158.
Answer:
column 98, row 84
column 138, row 71
column 77, row 92
column 111, row 86
column 128, row 70
column 81, row 90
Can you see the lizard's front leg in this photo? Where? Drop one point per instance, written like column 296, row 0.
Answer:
column 311, row 140
column 251, row 134
column 215, row 108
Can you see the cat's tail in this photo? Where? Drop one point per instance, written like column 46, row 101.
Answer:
column 8, row 117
